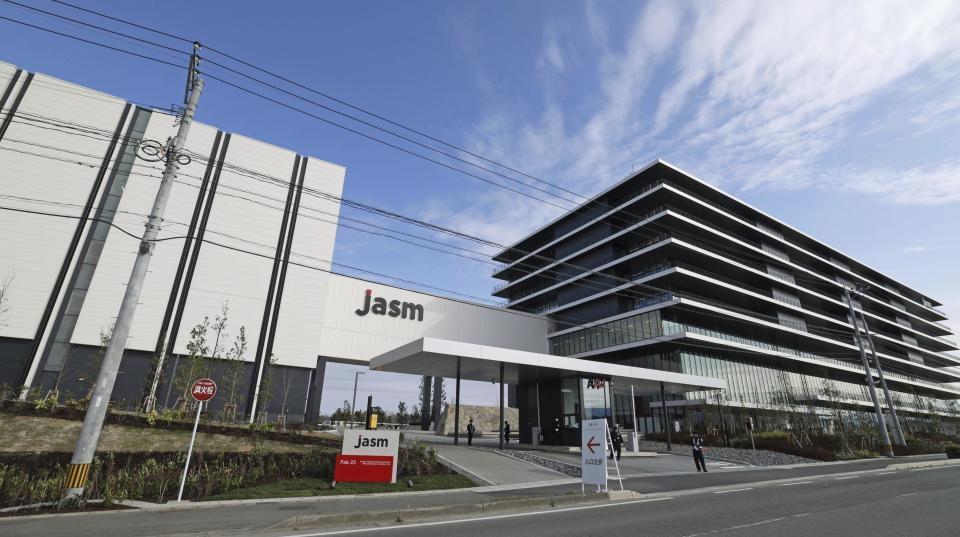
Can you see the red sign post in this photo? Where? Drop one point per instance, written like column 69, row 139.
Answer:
column 202, row 390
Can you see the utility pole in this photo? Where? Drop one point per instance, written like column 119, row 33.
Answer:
column 897, row 430
column 881, row 422
column 79, row 469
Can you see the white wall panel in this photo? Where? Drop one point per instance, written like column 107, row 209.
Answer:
column 242, row 280
column 348, row 336
column 109, row 282
column 34, row 246
column 302, row 307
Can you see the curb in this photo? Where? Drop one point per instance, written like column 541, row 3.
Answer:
column 924, row 464
column 422, row 513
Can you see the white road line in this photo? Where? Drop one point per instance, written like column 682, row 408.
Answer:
column 732, row 490
column 924, row 469
column 737, row 527
column 795, row 483
column 908, row 494
column 886, row 473
column 847, row 477
column 475, row 519
column 803, row 514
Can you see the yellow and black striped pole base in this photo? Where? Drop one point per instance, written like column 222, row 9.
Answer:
column 76, row 479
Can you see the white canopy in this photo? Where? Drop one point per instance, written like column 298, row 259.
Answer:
column 439, row 357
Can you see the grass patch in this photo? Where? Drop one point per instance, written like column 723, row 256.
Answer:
column 291, row 488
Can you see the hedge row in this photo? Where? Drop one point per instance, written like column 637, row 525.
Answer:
column 30, row 478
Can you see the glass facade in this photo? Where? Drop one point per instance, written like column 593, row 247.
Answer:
column 772, row 387
column 650, row 325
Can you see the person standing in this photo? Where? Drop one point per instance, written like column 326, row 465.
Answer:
column 506, row 432
column 617, row 439
column 697, row 444
column 470, row 430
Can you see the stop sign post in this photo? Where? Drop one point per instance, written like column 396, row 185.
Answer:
column 202, row 390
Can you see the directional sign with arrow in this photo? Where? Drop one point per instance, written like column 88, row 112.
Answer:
column 591, row 444
column 593, row 461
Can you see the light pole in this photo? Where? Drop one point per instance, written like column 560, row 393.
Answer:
column 353, row 405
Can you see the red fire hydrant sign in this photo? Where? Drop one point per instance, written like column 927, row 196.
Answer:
column 203, row 389
column 368, row 457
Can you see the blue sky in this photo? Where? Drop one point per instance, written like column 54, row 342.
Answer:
column 842, row 119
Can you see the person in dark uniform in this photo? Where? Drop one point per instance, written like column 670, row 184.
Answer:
column 506, row 432
column 617, row 440
column 470, row 430
column 697, row 444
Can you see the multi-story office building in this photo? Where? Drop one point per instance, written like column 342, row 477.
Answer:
column 664, row 271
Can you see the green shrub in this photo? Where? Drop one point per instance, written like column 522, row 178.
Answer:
column 34, row 478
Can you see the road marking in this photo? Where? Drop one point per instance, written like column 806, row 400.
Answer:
column 847, row 477
column 737, row 527
column 475, row 519
column 732, row 490
column 803, row 514
column 886, row 473
column 923, row 469
column 795, row 483
column 908, row 494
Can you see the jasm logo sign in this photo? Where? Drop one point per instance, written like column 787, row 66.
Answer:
column 394, row 308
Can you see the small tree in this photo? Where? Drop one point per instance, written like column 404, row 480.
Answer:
column 219, row 328
column 415, row 414
column 5, row 284
column 266, row 387
column 286, row 384
column 402, row 412
column 233, row 373
column 420, row 389
column 195, row 365
column 342, row 413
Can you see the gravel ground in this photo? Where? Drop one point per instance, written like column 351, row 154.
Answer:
column 562, row 467
column 759, row 457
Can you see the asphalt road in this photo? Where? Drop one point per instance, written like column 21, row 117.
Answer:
column 709, row 510
column 902, row 503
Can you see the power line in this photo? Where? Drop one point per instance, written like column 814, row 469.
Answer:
column 247, row 90
column 629, row 293
column 325, row 95
column 135, row 25
column 91, row 42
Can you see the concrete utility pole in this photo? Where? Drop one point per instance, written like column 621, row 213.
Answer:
column 79, row 469
column 881, row 422
column 897, row 430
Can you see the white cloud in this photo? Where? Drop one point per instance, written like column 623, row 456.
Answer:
column 914, row 249
column 748, row 94
column 551, row 56
column 923, row 185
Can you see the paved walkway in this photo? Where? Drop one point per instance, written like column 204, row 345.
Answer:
column 495, row 469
